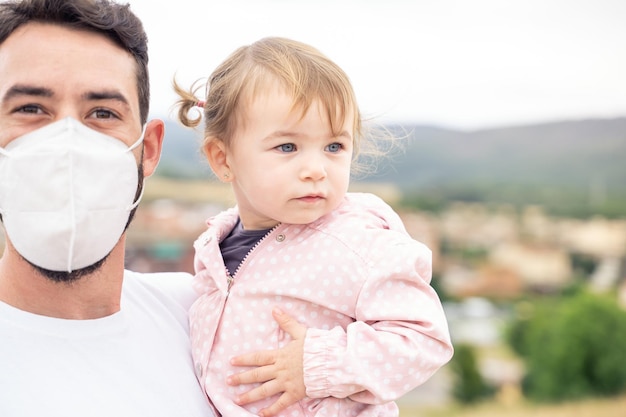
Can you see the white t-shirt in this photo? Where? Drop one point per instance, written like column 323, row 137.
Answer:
column 135, row 363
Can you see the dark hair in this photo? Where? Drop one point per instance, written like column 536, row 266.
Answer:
column 113, row 20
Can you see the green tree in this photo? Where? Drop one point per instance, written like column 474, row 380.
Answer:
column 573, row 348
column 469, row 385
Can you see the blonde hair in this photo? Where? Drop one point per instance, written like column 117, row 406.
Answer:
column 306, row 73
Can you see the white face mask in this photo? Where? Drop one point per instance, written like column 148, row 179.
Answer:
column 66, row 192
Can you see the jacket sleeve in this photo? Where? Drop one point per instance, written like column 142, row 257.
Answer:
column 399, row 337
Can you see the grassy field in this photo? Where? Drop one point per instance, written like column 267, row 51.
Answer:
column 188, row 191
column 615, row 407
column 198, row 191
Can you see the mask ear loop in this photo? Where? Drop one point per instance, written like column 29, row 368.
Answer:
column 136, row 203
column 143, row 186
column 138, row 141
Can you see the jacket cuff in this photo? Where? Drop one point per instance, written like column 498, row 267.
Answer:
column 316, row 361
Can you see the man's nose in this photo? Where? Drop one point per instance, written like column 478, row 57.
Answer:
column 68, row 111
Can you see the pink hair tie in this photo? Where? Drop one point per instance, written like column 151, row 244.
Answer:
column 200, row 103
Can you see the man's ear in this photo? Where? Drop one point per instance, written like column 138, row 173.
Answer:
column 152, row 145
column 215, row 151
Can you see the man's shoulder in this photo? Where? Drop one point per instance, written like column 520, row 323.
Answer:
column 159, row 278
column 166, row 286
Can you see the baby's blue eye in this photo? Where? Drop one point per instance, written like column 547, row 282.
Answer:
column 287, row 147
column 334, row 147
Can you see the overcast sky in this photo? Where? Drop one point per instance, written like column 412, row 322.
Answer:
column 463, row 64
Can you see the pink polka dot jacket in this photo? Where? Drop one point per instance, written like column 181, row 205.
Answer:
column 355, row 278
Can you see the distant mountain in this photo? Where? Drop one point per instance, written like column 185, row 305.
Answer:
column 570, row 154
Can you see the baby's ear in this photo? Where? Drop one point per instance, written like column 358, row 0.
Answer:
column 215, row 151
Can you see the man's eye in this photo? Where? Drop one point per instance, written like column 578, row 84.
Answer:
column 287, row 147
column 334, row 147
column 29, row 108
column 103, row 114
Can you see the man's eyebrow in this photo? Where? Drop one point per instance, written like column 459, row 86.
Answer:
column 35, row 91
column 27, row 90
column 106, row 95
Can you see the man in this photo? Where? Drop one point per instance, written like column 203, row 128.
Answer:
column 79, row 336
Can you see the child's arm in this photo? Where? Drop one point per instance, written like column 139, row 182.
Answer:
column 400, row 336
column 399, row 339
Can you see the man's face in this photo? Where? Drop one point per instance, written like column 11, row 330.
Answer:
column 49, row 72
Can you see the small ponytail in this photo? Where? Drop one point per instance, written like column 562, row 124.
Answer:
column 188, row 101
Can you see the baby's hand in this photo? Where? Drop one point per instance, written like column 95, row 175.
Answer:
column 279, row 371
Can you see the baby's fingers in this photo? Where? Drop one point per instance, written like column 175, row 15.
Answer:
column 259, row 358
column 289, row 324
column 262, row 374
column 261, row 392
column 283, row 402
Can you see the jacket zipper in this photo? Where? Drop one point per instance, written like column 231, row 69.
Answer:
column 231, row 277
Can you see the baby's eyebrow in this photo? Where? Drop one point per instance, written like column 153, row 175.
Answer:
column 283, row 134
column 289, row 134
column 345, row 134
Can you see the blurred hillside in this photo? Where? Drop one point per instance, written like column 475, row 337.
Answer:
column 566, row 153
column 573, row 168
